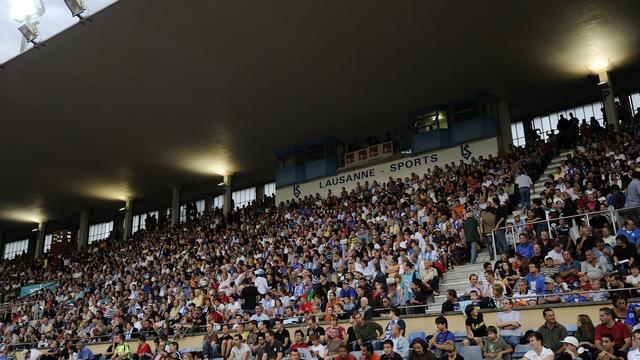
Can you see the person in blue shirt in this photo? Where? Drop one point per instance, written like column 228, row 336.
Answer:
column 550, row 292
column 569, row 269
column 347, row 291
column 534, row 279
column 441, row 336
column 630, row 231
column 524, row 247
column 83, row 352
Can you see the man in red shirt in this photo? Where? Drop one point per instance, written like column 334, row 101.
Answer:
column 143, row 352
column 619, row 331
column 343, row 354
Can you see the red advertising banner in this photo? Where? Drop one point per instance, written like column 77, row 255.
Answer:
column 372, row 152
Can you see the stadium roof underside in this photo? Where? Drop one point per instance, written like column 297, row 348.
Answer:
column 157, row 93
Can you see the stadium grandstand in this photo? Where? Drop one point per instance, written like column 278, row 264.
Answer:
column 349, row 181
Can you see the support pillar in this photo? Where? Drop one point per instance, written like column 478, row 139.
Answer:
column 608, row 98
column 83, row 229
column 259, row 194
column 228, row 203
column 625, row 107
column 175, row 206
column 208, row 203
column 128, row 219
column 504, row 120
column 2, row 245
column 39, row 240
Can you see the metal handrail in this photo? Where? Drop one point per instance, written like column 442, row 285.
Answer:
column 612, row 215
column 193, row 329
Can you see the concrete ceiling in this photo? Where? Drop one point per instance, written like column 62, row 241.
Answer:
column 158, row 93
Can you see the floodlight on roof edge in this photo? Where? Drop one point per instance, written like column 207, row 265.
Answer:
column 30, row 33
column 77, row 7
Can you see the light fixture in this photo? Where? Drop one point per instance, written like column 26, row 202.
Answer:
column 35, row 229
column 122, row 209
column 221, row 171
column 221, row 184
column 77, row 7
column 29, row 32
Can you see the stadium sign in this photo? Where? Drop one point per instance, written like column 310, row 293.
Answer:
column 31, row 289
column 397, row 168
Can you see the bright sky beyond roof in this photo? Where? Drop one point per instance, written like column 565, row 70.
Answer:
column 56, row 18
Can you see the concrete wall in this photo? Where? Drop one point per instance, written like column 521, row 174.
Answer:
column 531, row 318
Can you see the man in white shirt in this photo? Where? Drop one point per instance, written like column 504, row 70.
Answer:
column 400, row 343
column 240, row 350
column 260, row 316
column 525, row 187
column 260, row 282
column 537, row 352
column 635, row 353
column 508, row 321
column 556, row 254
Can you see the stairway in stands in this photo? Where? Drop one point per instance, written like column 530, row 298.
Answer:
column 539, row 184
column 458, row 279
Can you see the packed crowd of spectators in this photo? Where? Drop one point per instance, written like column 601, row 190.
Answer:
column 352, row 255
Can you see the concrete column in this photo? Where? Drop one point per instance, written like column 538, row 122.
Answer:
column 128, row 219
column 259, row 193
column 208, row 203
column 625, row 106
column 83, row 229
column 39, row 240
column 608, row 98
column 175, row 206
column 504, row 120
column 2, row 247
column 227, row 207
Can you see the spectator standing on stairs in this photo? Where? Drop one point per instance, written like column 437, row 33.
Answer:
column 633, row 190
column 525, row 187
column 472, row 233
column 488, row 224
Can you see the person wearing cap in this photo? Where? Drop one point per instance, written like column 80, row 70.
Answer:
column 550, row 292
column 549, row 267
column 572, row 350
